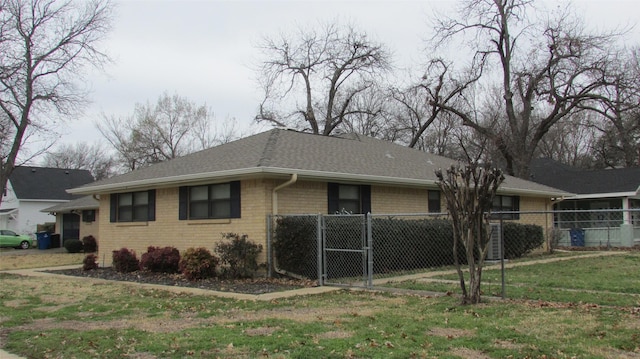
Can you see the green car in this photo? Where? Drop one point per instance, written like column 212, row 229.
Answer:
column 12, row 239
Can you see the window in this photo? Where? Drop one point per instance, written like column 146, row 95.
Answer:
column 213, row 201
column 434, row 201
column 133, row 206
column 506, row 204
column 89, row 215
column 354, row 199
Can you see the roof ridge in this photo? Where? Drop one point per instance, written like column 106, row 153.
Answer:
column 269, row 148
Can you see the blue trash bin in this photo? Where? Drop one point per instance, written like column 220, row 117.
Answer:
column 44, row 240
column 577, row 237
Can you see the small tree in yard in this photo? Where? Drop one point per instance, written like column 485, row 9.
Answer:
column 469, row 193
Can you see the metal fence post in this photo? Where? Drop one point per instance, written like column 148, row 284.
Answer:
column 269, row 253
column 369, row 250
column 319, row 247
column 502, row 254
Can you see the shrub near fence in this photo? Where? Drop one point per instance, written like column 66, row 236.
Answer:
column 404, row 244
column 399, row 244
column 238, row 255
column 520, row 239
column 295, row 245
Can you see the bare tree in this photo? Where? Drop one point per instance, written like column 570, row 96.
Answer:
column 122, row 141
column 572, row 140
column 44, row 47
column 418, row 116
column 93, row 158
column 620, row 107
column 469, row 193
column 546, row 69
column 372, row 119
column 171, row 128
column 317, row 78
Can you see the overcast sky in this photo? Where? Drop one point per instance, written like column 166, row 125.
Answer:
column 206, row 50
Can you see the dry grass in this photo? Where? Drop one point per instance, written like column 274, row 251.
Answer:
column 9, row 261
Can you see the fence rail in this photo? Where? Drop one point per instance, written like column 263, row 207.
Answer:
column 356, row 250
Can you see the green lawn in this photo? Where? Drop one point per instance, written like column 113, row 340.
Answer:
column 607, row 280
column 71, row 317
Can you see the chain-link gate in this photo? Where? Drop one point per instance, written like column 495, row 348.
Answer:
column 346, row 249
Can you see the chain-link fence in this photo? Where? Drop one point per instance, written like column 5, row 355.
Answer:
column 598, row 228
column 360, row 250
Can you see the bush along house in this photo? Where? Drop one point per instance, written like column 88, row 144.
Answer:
column 232, row 188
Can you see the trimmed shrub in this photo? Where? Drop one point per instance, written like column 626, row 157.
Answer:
column 239, row 256
column 161, row 260
column 90, row 244
column 73, row 245
column 125, row 261
column 294, row 245
column 198, row 263
column 407, row 244
column 90, row 262
column 520, row 239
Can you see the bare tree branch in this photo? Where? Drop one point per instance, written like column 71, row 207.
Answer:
column 171, row 128
column 538, row 88
column 317, row 76
column 44, row 48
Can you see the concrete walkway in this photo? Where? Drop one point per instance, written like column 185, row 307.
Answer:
column 40, row 272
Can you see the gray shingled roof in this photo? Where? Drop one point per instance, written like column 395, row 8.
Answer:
column 280, row 152
column 44, row 183
column 79, row 204
column 575, row 180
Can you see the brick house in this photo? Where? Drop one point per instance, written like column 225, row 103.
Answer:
column 84, row 209
column 190, row 201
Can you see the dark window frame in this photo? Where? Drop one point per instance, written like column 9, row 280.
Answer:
column 88, row 215
column 186, row 205
column 501, row 207
column 140, row 212
column 434, row 205
column 337, row 204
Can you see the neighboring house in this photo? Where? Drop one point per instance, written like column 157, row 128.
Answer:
column 190, row 201
column 85, row 209
column 597, row 194
column 32, row 189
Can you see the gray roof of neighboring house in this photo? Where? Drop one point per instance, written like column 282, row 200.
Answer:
column 552, row 173
column 280, row 152
column 79, row 204
column 44, row 183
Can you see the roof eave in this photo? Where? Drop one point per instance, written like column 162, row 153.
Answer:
column 535, row 193
column 302, row 174
column 163, row 181
column 604, row 195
